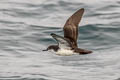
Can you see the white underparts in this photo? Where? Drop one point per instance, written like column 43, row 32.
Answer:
column 65, row 52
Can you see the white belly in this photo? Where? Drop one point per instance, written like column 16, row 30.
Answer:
column 64, row 52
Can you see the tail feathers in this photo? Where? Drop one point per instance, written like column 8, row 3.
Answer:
column 82, row 51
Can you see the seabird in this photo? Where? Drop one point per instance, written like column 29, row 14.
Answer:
column 67, row 45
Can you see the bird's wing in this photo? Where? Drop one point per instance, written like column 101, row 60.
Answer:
column 62, row 42
column 71, row 27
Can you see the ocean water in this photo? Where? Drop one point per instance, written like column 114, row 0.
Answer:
column 25, row 27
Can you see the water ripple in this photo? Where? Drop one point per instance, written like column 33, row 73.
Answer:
column 25, row 31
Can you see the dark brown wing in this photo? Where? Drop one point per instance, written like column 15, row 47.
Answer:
column 71, row 27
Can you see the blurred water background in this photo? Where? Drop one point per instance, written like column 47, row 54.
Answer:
column 25, row 27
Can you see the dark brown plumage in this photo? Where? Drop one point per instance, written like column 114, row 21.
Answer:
column 71, row 27
column 54, row 47
column 71, row 33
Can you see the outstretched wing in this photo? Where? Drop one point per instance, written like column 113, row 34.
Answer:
column 62, row 42
column 71, row 27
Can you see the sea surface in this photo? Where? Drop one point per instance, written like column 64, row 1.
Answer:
column 25, row 27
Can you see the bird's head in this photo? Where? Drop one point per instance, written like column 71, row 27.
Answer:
column 52, row 47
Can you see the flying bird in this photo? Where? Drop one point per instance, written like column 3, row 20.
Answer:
column 67, row 45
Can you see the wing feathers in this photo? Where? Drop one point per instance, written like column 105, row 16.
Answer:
column 71, row 27
column 62, row 42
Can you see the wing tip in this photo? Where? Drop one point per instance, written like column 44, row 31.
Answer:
column 52, row 34
column 82, row 9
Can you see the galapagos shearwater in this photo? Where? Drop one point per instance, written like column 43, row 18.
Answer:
column 67, row 45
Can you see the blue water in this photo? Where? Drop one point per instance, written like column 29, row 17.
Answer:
column 25, row 27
